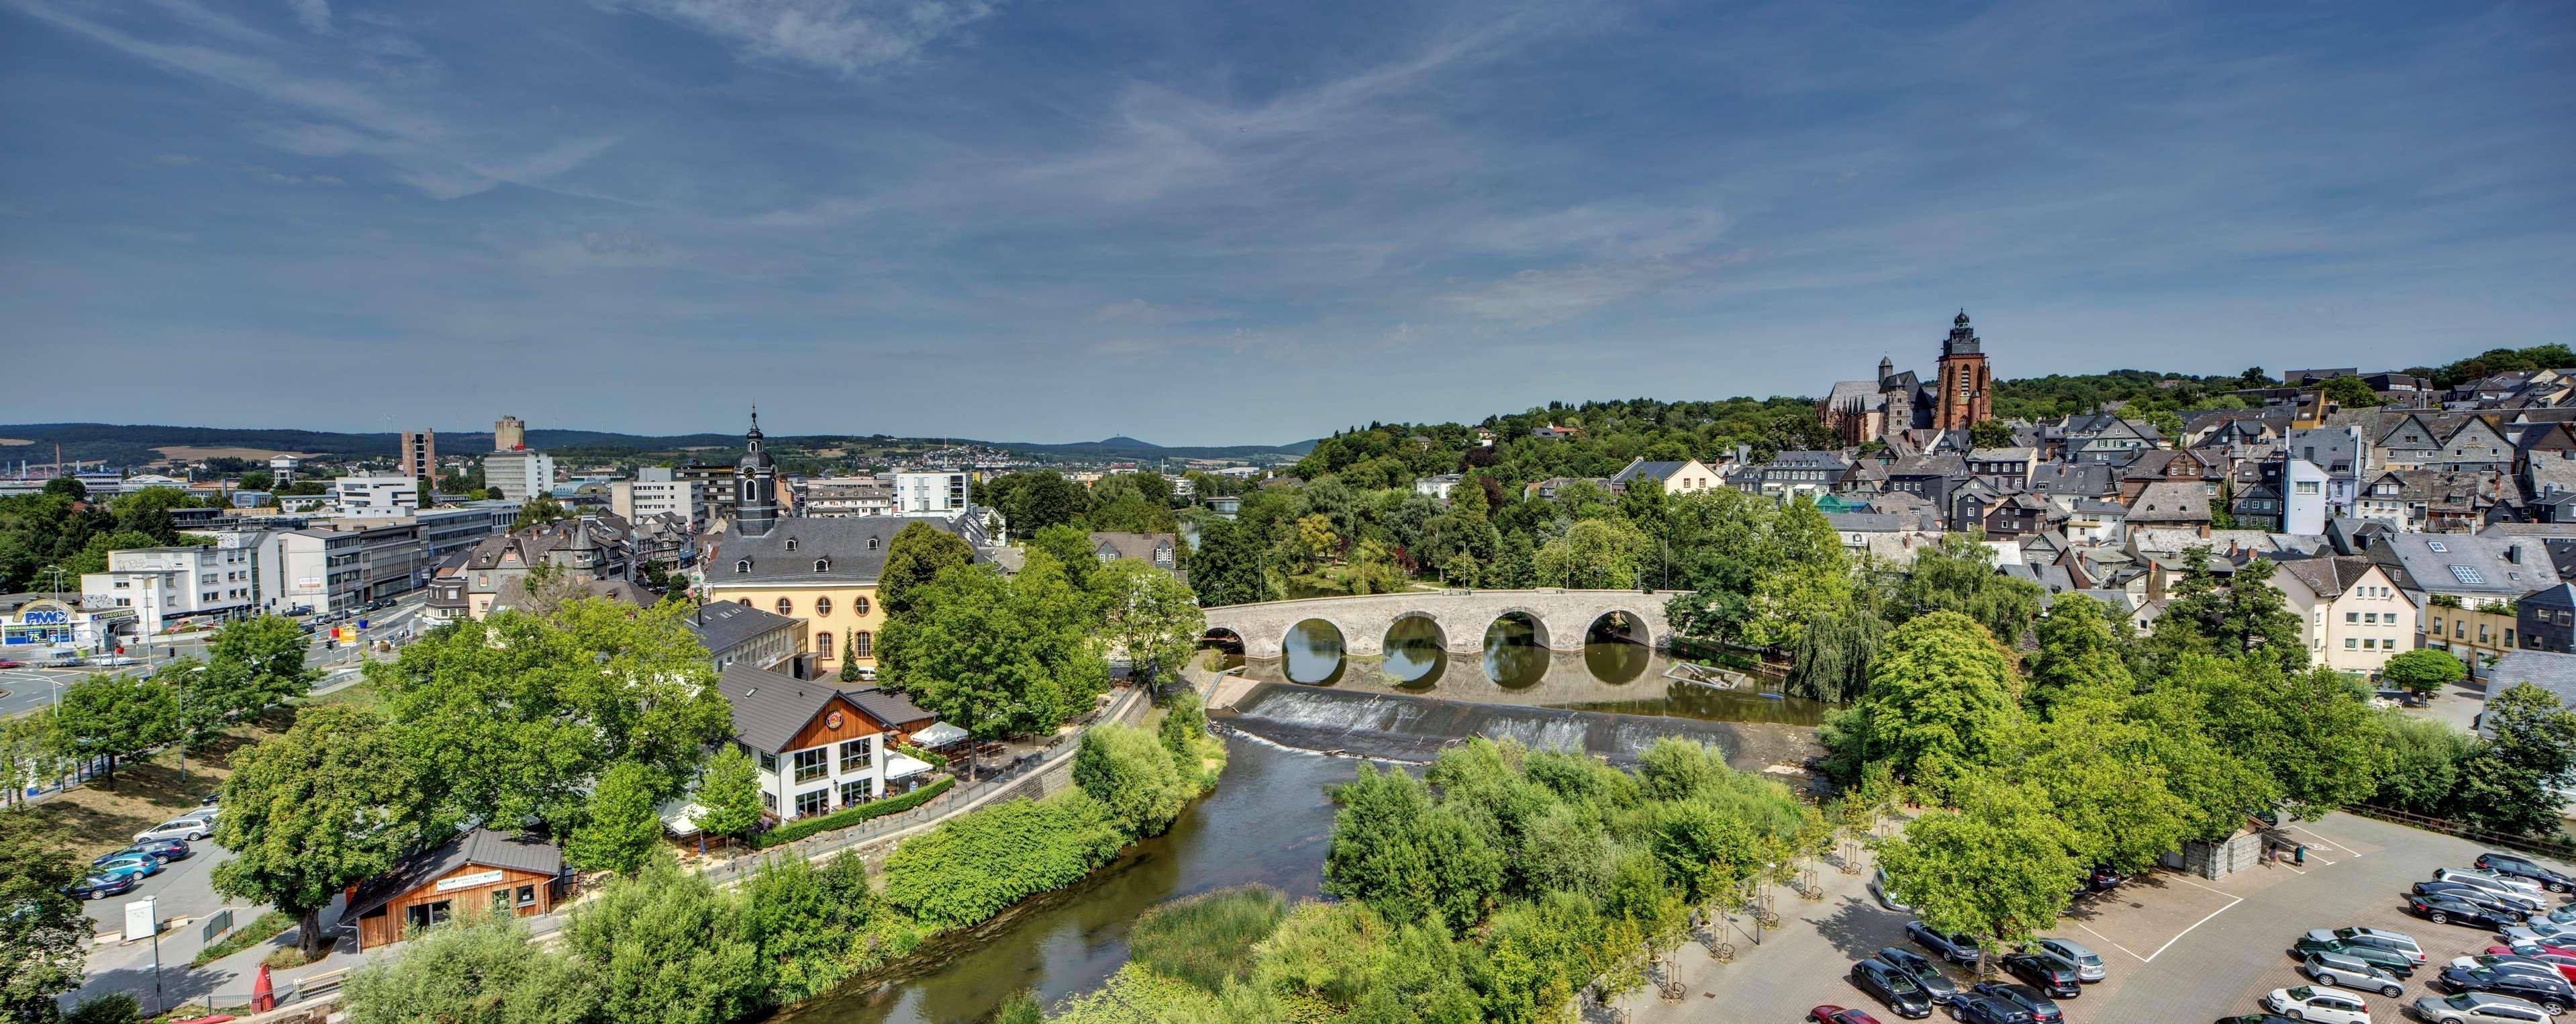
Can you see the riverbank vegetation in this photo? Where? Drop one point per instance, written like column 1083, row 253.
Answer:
column 1496, row 887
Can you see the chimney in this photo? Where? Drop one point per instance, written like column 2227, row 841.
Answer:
column 2513, row 553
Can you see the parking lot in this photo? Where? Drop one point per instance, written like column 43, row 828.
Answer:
column 2179, row 948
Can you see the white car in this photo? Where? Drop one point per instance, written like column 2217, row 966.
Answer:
column 2540, row 930
column 2478, row 1008
column 190, row 829
column 207, row 813
column 115, row 660
column 2491, row 881
column 2340, row 971
column 2308, row 1002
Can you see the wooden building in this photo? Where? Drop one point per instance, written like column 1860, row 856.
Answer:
column 480, row 870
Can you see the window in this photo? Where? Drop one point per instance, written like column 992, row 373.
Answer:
column 2482, row 632
column 822, row 565
column 813, row 764
column 501, row 900
column 854, row 793
column 742, row 566
column 2436, row 546
column 791, row 543
column 822, row 606
column 527, row 895
column 872, row 543
column 856, row 755
column 2467, row 575
column 786, row 607
column 823, row 644
column 423, row 915
column 769, row 762
column 2350, row 617
column 2348, row 643
column 859, row 606
column 745, row 602
column 813, row 801
column 769, row 800
column 863, row 644
column 2508, row 638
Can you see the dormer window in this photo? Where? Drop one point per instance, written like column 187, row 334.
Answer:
column 742, row 566
column 872, row 543
column 822, row 565
column 791, row 543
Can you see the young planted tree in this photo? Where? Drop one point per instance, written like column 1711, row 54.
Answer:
column 2424, row 671
column 730, row 793
column 623, row 830
column 334, row 801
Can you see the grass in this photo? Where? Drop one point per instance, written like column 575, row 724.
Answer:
column 98, row 816
column 1208, row 938
column 269, row 925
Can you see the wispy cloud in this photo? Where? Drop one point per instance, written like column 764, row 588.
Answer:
column 844, row 36
column 315, row 14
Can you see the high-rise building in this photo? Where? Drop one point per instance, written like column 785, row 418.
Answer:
column 509, row 435
column 1964, row 397
column 420, row 457
column 518, row 475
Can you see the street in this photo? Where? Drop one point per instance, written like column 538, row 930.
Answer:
column 25, row 689
column 2180, row 947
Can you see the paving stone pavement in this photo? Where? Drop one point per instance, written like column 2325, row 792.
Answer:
column 2180, row 948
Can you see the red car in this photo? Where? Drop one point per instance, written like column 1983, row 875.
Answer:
column 1837, row 1015
column 6, row 663
column 2555, row 956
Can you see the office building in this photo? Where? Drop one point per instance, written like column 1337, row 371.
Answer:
column 518, row 475
column 916, row 492
column 376, row 496
column 656, row 490
column 419, row 457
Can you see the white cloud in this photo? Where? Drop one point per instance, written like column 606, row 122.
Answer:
column 1539, row 298
column 846, row 36
column 174, row 160
column 315, row 14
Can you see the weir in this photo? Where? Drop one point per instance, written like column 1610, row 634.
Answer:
column 1408, row 728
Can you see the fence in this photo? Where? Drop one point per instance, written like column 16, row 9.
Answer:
column 2452, row 828
column 1020, row 771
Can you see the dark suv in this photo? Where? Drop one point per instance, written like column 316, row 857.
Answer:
column 2045, row 974
column 2518, row 866
column 2550, row 991
column 1903, row 996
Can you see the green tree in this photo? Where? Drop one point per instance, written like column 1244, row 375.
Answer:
column 1990, row 434
column 917, row 555
column 332, row 802
column 2350, row 393
column 668, row 947
column 962, row 654
column 2509, row 783
column 1226, row 568
column 1594, row 554
column 269, row 652
column 2419, row 763
column 2082, row 653
column 67, row 487
column 2101, row 776
column 1942, row 702
column 1132, row 776
column 477, row 969
column 730, row 792
column 1958, row 575
column 42, row 935
column 622, row 831
column 2309, row 730
column 115, row 716
column 850, row 660
column 1997, row 869
column 1071, row 547
column 540, row 510
column 2423, row 671
column 1405, row 858
column 1833, row 659
column 1152, row 617
column 810, row 920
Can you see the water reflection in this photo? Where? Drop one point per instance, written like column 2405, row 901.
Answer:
column 1415, row 654
column 1313, row 653
column 1514, row 660
column 1616, row 663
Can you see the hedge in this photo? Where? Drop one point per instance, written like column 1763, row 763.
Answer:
column 796, row 830
column 932, row 758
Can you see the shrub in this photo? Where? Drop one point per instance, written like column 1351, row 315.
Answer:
column 809, row 919
column 479, row 967
column 795, row 830
column 268, row 926
column 668, row 947
column 1207, row 939
column 969, row 869
column 111, row 1008
column 1132, row 777
column 929, row 757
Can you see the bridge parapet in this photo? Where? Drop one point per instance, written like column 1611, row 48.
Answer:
column 1562, row 617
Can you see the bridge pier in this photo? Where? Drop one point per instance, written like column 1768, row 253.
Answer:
column 1560, row 617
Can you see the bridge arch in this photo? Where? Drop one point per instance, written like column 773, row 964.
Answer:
column 1561, row 618
column 1537, row 620
column 1443, row 635
column 1626, row 625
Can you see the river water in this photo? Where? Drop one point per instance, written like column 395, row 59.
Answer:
column 1267, row 821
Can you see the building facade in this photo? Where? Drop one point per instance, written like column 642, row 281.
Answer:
column 377, row 496
column 657, row 490
column 419, row 458
column 941, row 491
column 518, row 475
column 818, row 749
column 2352, row 615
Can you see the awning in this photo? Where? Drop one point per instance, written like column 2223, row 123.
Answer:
column 937, row 735
column 899, row 767
column 680, row 816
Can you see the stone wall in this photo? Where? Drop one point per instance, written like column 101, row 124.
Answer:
column 1462, row 616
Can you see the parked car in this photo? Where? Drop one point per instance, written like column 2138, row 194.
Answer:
column 1990, row 1010
column 185, row 829
column 140, row 865
column 6, row 663
column 2445, row 909
column 2396, row 942
column 2308, row 1002
column 2104, row 879
column 2086, row 964
column 2319, row 940
column 1878, row 888
column 2042, row 1010
column 203, row 812
column 1958, row 948
column 1924, row 972
column 2478, row 1008
column 2515, row 865
column 2560, row 957
column 2257, row 1018
column 2339, row 971
column 95, row 886
column 2496, row 907
column 2550, row 991
column 2513, row 888
column 2044, row 973
column 2540, row 930
column 1837, row 1015
column 1893, row 987
column 164, row 850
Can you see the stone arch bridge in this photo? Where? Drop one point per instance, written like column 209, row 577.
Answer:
column 1562, row 617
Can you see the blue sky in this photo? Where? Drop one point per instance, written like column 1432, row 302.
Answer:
column 1239, row 222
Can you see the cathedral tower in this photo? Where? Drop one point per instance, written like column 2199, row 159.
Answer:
column 1964, row 397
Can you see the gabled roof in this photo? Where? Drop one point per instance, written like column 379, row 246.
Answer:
column 2329, row 576
column 483, row 847
column 769, row 708
column 2560, row 596
column 2555, row 673
column 791, row 550
column 2170, row 502
column 2074, row 479
column 1640, row 468
column 725, row 625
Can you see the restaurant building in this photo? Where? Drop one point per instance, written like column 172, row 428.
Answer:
column 482, row 870
column 820, row 748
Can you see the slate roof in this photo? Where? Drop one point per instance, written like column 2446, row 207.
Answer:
column 1999, row 455
column 770, row 708
column 1929, row 465
column 2077, row 479
column 513, row 593
column 2329, row 576
column 1862, row 522
column 1641, row 468
column 789, row 551
column 482, row 846
column 2555, row 673
column 2170, row 502
column 889, row 707
column 2560, row 596
column 2467, row 564
column 725, row 625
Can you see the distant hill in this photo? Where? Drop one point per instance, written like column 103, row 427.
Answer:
column 137, row 444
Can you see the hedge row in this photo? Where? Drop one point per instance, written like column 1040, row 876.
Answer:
column 796, row 830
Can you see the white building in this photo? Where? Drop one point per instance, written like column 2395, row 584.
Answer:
column 281, row 469
column 654, row 492
column 341, row 565
column 845, row 497
column 375, row 496
column 166, row 585
column 2351, row 614
column 518, row 475
column 918, row 492
column 819, row 748
column 2303, row 498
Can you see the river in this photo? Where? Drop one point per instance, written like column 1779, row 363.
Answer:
column 1267, row 821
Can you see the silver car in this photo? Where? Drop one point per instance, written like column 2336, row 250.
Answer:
column 1878, row 888
column 2341, row 971
column 2478, row 1008
column 2514, row 887
column 2087, row 964
column 190, row 829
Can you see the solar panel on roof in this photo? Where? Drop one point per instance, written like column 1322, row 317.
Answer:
column 2467, row 575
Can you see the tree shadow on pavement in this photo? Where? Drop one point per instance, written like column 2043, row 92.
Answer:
column 2129, row 895
column 1859, row 929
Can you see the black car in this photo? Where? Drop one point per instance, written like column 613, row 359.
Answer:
column 2503, row 909
column 2449, row 910
column 1956, row 947
column 1893, row 987
column 2104, row 879
column 2515, row 865
column 2042, row 1010
column 1989, row 1010
column 2045, row 974
column 1922, row 970
column 2550, row 991
column 95, row 886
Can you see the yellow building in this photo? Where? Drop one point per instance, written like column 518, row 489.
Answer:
column 2475, row 635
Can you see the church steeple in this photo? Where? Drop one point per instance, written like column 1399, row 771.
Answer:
column 1964, row 398
column 756, row 483
column 1886, row 369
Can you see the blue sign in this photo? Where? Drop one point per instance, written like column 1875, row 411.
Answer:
column 362, row 625
column 45, row 617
